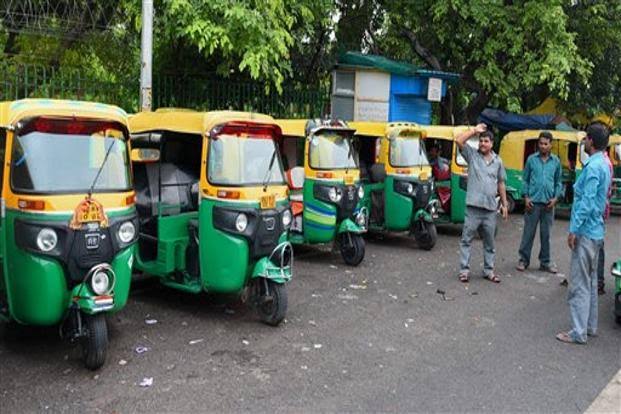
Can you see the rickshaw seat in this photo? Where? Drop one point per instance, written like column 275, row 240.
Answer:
column 295, row 178
column 177, row 189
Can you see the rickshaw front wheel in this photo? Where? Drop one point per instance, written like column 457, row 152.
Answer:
column 425, row 234
column 271, row 301
column 352, row 248
column 95, row 341
column 510, row 204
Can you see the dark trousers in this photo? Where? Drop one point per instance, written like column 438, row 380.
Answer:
column 538, row 215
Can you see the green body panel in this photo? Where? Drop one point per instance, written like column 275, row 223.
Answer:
column 224, row 258
column 423, row 215
column 397, row 208
column 514, row 184
column 319, row 217
column 35, row 286
column 458, row 201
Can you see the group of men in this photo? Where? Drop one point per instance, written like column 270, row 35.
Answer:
column 542, row 189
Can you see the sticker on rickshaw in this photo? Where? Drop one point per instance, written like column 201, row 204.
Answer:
column 88, row 211
column 349, row 179
column 268, row 201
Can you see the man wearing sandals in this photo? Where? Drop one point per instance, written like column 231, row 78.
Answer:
column 486, row 179
column 541, row 188
column 586, row 237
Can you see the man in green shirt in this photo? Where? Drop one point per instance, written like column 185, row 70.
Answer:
column 541, row 188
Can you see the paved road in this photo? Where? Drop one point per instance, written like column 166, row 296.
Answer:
column 374, row 338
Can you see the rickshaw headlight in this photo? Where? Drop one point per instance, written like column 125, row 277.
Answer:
column 286, row 218
column 432, row 186
column 127, row 232
column 335, row 194
column 361, row 192
column 241, row 222
column 409, row 188
column 47, row 239
column 100, row 282
column 616, row 270
column 361, row 219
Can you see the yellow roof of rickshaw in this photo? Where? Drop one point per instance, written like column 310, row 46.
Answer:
column 292, row 127
column 12, row 112
column 614, row 139
column 188, row 121
column 365, row 128
column 527, row 134
column 443, row 131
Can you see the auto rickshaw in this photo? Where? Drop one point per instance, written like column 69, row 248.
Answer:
column 213, row 208
column 616, row 273
column 396, row 176
column 68, row 224
column 449, row 170
column 517, row 146
column 324, row 182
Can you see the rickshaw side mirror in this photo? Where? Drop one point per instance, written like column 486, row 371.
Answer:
column 145, row 155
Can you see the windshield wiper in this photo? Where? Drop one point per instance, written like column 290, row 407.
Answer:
column 90, row 191
column 269, row 171
column 350, row 154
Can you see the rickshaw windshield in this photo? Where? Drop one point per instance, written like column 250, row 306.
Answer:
column 45, row 162
column 407, row 152
column 474, row 143
column 243, row 161
column 331, row 151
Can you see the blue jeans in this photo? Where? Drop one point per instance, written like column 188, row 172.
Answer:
column 483, row 222
column 538, row 214
column 582, row 293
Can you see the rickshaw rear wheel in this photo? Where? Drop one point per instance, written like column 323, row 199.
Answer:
column 425, row 234
column 95, row 341
column 272, row 301
column 352, row 248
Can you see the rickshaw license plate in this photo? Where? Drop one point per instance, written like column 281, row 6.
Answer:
column 268, row 201
column 92, row 241
column 349, row 180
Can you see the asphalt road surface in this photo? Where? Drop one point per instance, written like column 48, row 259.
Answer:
column 378, row 337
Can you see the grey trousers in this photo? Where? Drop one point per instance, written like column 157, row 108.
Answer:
column 538, row 214
column 483, row 222
column 601, row 259
column 582, row 292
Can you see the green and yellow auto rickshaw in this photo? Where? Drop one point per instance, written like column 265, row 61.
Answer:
column 396, row 176
column 324, row 180
column 213, row 207
column 517, row 146
column 68, row 224
column 449, row 170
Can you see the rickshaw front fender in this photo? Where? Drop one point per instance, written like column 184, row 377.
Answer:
column 349, row 226
column 424, row 215
column 267, row 269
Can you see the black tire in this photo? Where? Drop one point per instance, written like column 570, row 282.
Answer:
column 618, row 319
column 352, row 248
column 425, row 234
column 95, row 341
column 510, row 204
column 272, row 312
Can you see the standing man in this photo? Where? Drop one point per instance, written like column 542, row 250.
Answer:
column 601, row 259
column 586, row 237
column 542, row 188
column 486, row 179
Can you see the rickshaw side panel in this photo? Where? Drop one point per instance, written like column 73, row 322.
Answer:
column 319, row 217
column 39, row 295
column 122, row 266
column 222, row 253
column 397, row 208
column 458, row 198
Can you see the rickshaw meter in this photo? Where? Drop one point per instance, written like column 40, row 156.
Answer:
column 241, row 222
column 360, row 192
column 47, row 239
column 127, row 232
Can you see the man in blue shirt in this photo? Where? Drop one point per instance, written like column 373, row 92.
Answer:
column 586, row 237
column 541, row 188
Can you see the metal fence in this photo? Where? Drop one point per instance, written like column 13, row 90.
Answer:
column 32, row 81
